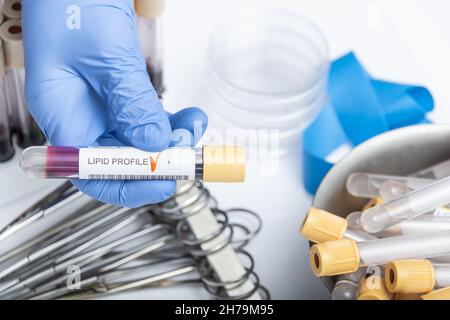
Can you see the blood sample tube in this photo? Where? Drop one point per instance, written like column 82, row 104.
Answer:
column 210, row 163
column 6, row 143
column 150, row 26
column 28, row 132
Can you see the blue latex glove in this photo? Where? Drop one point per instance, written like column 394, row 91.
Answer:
column 87, row 85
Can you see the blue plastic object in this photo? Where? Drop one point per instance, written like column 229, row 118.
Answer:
column 359, row 108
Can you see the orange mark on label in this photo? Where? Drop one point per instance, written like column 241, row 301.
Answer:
column 154, row 162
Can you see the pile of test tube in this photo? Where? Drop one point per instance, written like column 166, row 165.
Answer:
column 396, row 247
column 15, row 120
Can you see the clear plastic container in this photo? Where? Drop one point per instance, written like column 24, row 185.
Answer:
column 268, row 69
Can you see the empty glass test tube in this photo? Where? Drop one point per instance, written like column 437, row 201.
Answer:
column 6, row 142
column 347, row 285
column 421, row 224
column 437, row 171
column 346, row 255
column 367, row 185
column 416, row 276
column 28, row 132
column 406, row 207
column 150, row 26
column 209, row 163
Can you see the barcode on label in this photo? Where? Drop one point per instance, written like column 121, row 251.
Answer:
column 136, row 177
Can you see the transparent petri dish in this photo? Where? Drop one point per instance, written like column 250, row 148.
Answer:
column 267, row 68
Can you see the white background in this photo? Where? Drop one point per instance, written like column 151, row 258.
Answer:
column 403, row 40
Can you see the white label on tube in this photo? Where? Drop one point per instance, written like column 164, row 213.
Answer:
column 123, row 163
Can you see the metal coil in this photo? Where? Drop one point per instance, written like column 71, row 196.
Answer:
column 177, row 210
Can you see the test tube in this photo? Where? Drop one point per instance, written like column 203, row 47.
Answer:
column 6, row 143
column 209, row 163
column 421, row 224
column 372, row 203
column 321, row 226
column 12, row 9
column 437, row 171
column 391, row 190
column 28, row 132
column 367, row 185
column 407, row 207
column 416, row 276
column 2, row 16
column 150, row 26
column 347, row 285
column 346, row 255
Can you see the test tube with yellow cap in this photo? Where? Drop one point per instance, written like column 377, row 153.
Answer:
column 416, row 276
column 407, row 207
column 320, row 226
column 209, row 163
column 346, row 255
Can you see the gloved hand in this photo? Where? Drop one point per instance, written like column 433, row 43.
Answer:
column 86, row 84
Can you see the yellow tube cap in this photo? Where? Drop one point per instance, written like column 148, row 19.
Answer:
column 374, row 288
column 223, row 163
column 441, row 294
column 320, row 226
column 149, row 9
column 410, row 276
column 373, row 203
column 12, row 9
column 334, row 257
